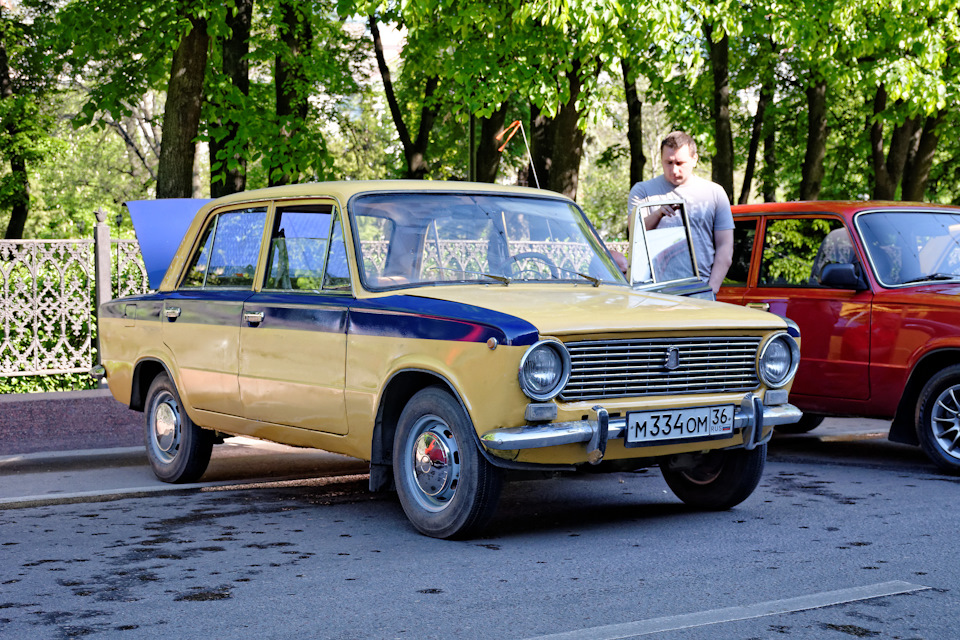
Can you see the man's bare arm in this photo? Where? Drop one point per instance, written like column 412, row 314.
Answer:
column 722, row 259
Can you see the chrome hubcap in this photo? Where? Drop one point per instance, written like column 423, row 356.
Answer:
column 166, row 427
column 436, row 463
column 946, row 421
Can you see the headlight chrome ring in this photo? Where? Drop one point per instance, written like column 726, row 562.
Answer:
column 544, row 370
column 778, row 361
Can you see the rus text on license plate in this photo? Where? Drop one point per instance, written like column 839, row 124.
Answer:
column 656, row 427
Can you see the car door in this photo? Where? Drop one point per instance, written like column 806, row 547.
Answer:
column 834, row 322
column 201, row 318
column 293, row 334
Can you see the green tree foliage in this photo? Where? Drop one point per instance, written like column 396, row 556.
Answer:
column 27, row 72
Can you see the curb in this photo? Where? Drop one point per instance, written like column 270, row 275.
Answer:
column 72, row 460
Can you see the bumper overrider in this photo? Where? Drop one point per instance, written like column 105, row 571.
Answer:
column 751, row 418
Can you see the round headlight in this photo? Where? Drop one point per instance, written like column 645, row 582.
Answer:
column 544, row 370
column 778, row 361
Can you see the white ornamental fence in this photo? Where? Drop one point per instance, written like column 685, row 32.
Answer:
column 49, row 292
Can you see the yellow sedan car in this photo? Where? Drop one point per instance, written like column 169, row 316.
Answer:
column 445, row 332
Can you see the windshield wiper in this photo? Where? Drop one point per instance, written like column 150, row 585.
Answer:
column 934, row 276
column 505, row 281
column 594, row 281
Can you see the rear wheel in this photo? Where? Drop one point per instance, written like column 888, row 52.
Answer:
column 178, row 450
column 715, row 480
column 938, row 419
column 808, row 422
column 446, row 487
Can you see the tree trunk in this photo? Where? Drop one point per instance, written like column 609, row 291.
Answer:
column 291, row 81
column 888, row 171
column 568, row 140
column 488, row 158
column 541, row 148
column 766, row 94
column 812, row 177
column 917, row 170
column 414, row 151
column 722, row 165
column 634, row 123
column 19, row 184
column 769, row 172
column 181, row 113
column 235, row 66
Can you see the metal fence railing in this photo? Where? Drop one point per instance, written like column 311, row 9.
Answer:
column 49, row 292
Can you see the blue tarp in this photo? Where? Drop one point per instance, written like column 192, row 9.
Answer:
column 160, row 226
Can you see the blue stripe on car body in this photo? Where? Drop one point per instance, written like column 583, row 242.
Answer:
column 400, row 316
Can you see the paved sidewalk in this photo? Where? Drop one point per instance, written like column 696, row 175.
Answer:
column 97, row 474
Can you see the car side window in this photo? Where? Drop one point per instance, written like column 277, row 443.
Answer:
column 229, row 250
column 298, row 247
column 743, row 234
column 302, row 255
column 796, row 249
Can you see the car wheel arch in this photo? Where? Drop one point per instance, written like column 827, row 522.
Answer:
column 903, row 429
column 397, row 392
column 143, row 375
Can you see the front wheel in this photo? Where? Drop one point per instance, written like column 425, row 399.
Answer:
column 715, row 480
column 938, row 419
column 446, row 487
column 178, row 450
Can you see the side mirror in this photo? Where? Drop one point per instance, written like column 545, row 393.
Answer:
column 843, row 276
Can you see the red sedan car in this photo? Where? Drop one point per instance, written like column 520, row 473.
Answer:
column 875, row 288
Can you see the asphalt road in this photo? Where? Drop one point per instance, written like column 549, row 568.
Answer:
column 847, row 536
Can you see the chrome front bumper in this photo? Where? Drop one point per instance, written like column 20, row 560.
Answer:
column 751, row 417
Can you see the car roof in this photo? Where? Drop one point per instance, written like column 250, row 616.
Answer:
column 345, row 189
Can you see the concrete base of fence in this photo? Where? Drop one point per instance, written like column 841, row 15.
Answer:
column 66, row 421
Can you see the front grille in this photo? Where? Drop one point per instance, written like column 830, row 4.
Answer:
column 624, row 368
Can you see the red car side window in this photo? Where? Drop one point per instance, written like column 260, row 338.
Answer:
column 795, row 250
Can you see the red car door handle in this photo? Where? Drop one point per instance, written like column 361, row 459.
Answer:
column 763, row 306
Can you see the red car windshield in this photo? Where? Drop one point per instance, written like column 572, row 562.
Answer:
column 911, row 247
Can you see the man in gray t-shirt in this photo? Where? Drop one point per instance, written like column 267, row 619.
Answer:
column 708, row 208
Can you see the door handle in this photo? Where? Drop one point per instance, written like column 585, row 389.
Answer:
column 172, row 313
column 762, row 306
column 253, row 317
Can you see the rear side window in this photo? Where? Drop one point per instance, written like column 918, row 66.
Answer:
column 743, row 235
column 229, row 250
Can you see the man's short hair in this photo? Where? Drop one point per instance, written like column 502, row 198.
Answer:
column 677, row 139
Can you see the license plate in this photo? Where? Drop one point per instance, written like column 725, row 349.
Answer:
column 657, row 427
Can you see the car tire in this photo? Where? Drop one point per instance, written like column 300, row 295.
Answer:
column 446, row 487
column 178, row 450
column 808, row 422
column 719, row 480
column 938, row 419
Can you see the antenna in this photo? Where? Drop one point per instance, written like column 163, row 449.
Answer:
column 512, row 129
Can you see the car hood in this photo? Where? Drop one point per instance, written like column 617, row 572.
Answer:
column 160, row 226
column 574, row 310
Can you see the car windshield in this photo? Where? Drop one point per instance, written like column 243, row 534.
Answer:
column 910, row 247
column 433, row 238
